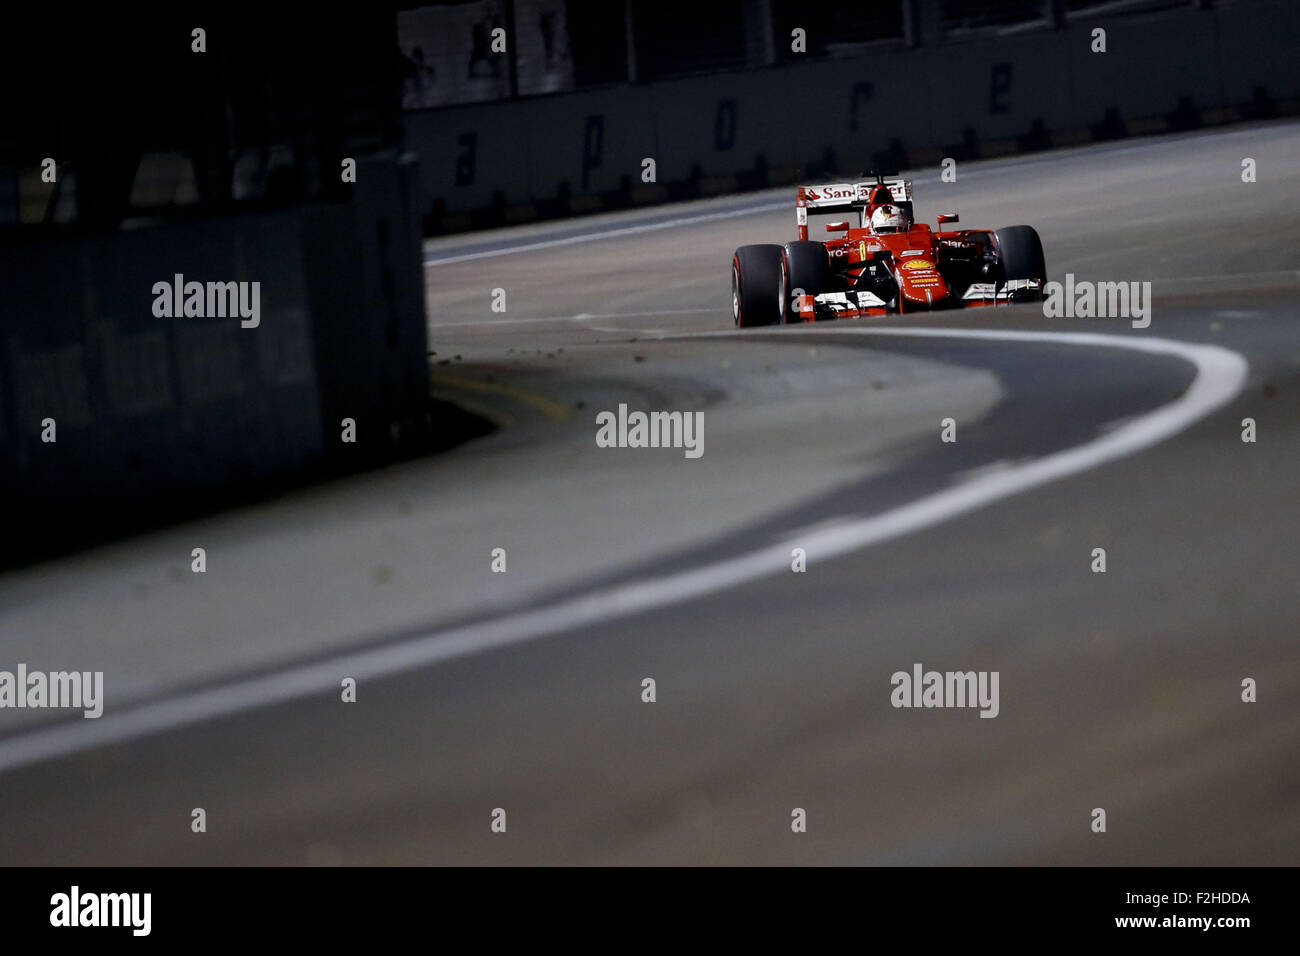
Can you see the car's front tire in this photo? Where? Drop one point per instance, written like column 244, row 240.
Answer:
column 1020, row 253
column 756, row 286
column 804, row 266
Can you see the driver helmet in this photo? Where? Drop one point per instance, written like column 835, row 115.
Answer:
column 888, row 218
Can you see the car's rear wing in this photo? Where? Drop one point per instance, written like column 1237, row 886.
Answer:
column 845, row 197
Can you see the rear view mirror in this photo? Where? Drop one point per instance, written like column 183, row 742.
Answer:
column 948, row 217
column 836, row 226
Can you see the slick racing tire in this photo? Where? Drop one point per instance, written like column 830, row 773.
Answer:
column 804, row 265
column 755, row 286
column 1020, row 253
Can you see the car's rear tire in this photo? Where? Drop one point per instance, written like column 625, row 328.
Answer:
column 756, row 286
column 804, row 265
column 1020, row 253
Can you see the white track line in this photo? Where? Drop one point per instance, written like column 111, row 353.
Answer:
column 612, row 233
column 1220, row 375
column 580, row 317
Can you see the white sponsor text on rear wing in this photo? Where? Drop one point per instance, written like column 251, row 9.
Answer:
column 834, row 197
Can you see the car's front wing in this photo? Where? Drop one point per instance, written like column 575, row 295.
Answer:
column 852, row 305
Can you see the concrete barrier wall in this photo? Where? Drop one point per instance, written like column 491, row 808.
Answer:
column 514, row 161
column 365, row 297
column 1150, row 65
column 1257, row 51
column 141, row 403
column 146, row 407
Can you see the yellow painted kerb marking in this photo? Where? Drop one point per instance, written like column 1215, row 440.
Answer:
column 547, row 406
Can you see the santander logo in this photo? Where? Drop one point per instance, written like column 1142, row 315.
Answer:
column 829, row 192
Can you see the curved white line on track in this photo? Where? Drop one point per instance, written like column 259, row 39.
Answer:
column 612, row 233
column 1220, row 375
column 580, row 317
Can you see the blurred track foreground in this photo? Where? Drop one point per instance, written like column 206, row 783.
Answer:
column 524, row 691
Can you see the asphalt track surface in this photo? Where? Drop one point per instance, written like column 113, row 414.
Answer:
column 522, row 690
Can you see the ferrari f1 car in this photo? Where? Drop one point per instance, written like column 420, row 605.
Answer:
column 886, row 264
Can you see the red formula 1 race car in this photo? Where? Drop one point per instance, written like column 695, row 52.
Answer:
column 886, row 264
